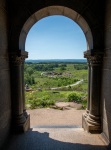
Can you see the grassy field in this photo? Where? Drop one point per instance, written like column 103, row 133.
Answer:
column 42, row 77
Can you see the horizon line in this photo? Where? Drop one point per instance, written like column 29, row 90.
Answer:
column 54, row 58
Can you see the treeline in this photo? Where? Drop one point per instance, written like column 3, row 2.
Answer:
column 81, row 66
column 44, row 67
column 32, row 70
column 52, row 66
column 55, row 62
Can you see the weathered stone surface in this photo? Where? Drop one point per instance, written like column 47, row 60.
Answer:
column 106, row 77
column 89, row 127
column 5, row 95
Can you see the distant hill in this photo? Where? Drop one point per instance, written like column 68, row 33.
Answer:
column 57, row 60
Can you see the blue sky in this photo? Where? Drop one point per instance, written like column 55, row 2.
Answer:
column 55, row 37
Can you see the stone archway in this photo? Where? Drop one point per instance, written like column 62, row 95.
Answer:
column 56, row 10
column 91, row 119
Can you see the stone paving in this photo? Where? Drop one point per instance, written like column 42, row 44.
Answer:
column 56, row 130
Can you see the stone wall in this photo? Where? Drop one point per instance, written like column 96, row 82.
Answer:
column 5, row 101
column 106, row 76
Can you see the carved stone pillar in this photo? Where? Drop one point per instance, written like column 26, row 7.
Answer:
column 88, row 98
column 25, row 54
column 19, row 121
column 92, row 122
column 23, row 91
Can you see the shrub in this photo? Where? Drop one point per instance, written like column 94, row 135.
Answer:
column 35, row 102
column 47, row 103
column 84, row 104
column 75, row 96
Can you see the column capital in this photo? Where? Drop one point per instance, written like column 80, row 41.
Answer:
column 18, row 57
column 94, row 58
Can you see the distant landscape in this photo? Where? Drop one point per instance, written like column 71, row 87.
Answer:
column 57, row 60
column 55, row 80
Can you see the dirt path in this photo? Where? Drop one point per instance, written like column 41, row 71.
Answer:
column 78, row 82
column 54, row 117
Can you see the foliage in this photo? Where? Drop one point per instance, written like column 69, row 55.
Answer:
column 84, row 104
column 81, row 66
column 39, row 99
column 58, row 75
column 39, row 103
column 29, row 79
column 74, row 96
column 45, row 67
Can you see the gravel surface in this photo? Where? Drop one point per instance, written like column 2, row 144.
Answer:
column 55, row 117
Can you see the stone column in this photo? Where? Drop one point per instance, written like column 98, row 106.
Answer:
column 19, row 121
column 88, row 98
column 92, row 122
column 23, row 92
column 25, row 55
column 89, row 81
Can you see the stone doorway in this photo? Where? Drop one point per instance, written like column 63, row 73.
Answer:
column 91, row 119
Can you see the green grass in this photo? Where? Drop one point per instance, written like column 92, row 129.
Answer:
column 46, row 97
column 38, row 99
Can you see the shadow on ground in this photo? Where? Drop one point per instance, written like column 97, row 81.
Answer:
column 34, row 140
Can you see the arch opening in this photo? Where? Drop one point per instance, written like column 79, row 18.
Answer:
column 55, row 37
column 54, row 91
column 56, row 10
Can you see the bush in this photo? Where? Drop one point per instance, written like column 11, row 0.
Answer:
column 84, row 104
column 47, row 103
column 36, row 102
column 29, row 79
column 75, row 96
